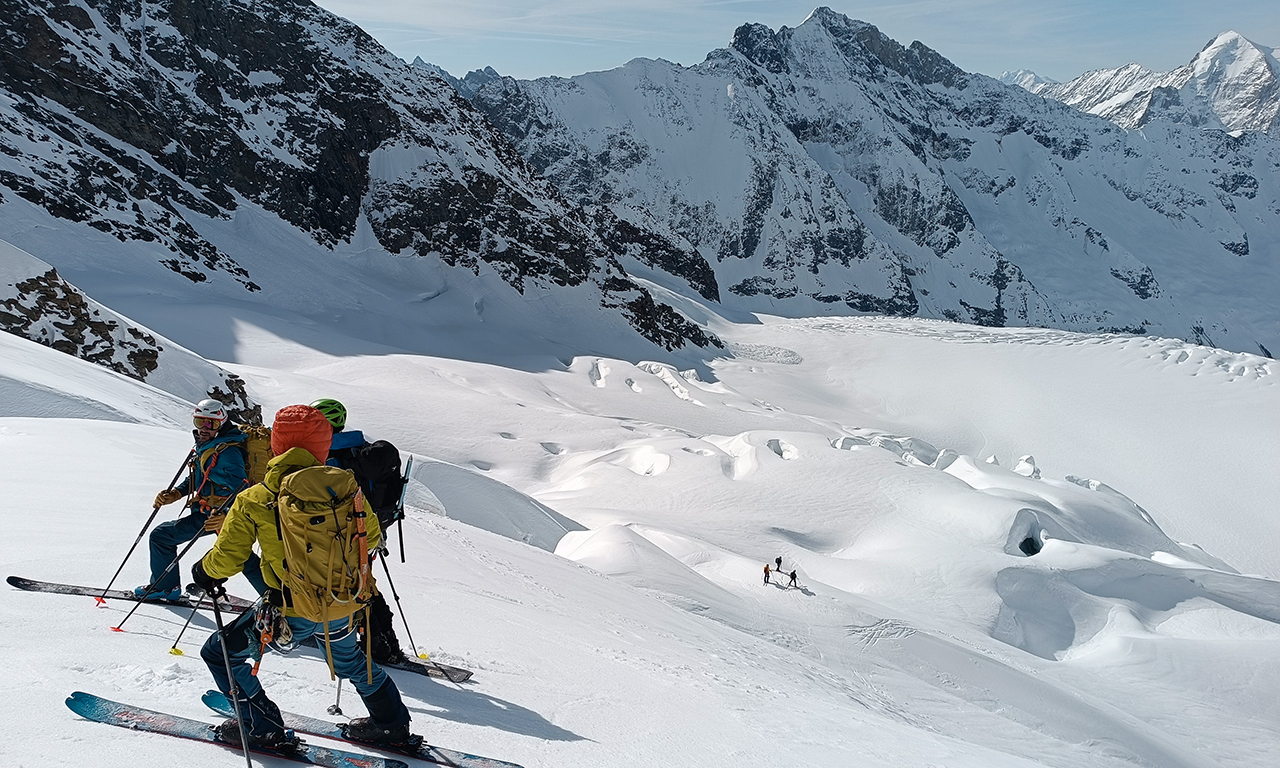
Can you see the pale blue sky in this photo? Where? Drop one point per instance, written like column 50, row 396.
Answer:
column 1055, row 38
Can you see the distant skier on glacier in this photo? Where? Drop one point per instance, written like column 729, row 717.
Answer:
column 326, row 582
column 766, row 574
column 377, row 468
column 217, row 473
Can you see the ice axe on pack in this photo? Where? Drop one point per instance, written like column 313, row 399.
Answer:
column 155, row 511
column 408, row 467
column 174, row 564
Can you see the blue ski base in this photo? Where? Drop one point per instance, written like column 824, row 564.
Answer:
column 317, row 727
column 103, row 710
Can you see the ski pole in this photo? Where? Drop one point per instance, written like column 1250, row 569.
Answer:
column 231, row 678
column 336, row 707
column 175, row 650
column 151, row 587
column 399, row 607
column 174, row 563
column 145, row 526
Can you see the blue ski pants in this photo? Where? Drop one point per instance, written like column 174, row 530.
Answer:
column 167, row 537
column 243, row 641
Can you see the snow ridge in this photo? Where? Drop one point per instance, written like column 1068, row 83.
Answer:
column 37, row 304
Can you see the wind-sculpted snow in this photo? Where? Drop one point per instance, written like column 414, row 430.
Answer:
column 1101, row 572
column 167, row 124
column 41, row 383
column 828, row 169
column 439, row 488
column 1087, row 553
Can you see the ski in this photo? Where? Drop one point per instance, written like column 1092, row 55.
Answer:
column 415, row 665
column 102, row 710
column 430, row 668
column 237, row 604
column 317, row 727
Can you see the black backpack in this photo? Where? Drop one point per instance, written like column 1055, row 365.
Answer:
column 377, row 469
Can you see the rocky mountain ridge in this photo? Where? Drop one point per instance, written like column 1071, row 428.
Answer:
column 828, row 169
column 176, row 127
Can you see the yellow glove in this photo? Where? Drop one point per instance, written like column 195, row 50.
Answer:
column 214, row 522
column 168, row 497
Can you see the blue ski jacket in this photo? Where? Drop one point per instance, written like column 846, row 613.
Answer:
column 343, row 440
column 218, row 471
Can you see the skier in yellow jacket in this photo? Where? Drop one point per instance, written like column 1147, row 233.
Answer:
column 299, row 439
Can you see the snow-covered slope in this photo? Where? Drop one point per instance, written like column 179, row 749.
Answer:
column 1233, row 84
column 828, row 170
column 37, row 304
column 888, row 461
column 40, row 382
column 270, row 155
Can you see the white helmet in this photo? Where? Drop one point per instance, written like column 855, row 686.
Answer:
column 210, row 409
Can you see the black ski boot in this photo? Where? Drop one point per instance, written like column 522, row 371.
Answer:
column 266, row 726
column 228, row 732
column 386, row 648
column 366, row 730
column 388, row 721
column 385, row 644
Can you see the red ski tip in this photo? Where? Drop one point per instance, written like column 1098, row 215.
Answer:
column 99, row 601
column 116, row 629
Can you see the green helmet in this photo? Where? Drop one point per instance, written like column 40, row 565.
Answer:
column 333, row 410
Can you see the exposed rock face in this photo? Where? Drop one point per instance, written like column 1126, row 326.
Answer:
column 467, row 84
column 829, row 169
column 150, row 121
column 37, row 304
column 47, row 309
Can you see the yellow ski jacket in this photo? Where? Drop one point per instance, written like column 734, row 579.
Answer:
column 253, row 519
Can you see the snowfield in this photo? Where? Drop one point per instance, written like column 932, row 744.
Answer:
column 588, row 534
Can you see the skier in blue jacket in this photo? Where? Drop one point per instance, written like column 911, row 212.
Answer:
column 217, row 473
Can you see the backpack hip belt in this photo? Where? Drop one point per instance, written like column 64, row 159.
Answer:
column 211, row 503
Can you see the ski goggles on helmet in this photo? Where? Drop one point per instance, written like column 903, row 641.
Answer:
column 204, row 422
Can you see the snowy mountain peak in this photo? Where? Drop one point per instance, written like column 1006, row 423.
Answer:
column 468, row 83
column 1232, row 57
column 1229, row 49
column 1233, row 84
column 760, row 45
column 837, row 24
column 1025, row 78
column 831, row 46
